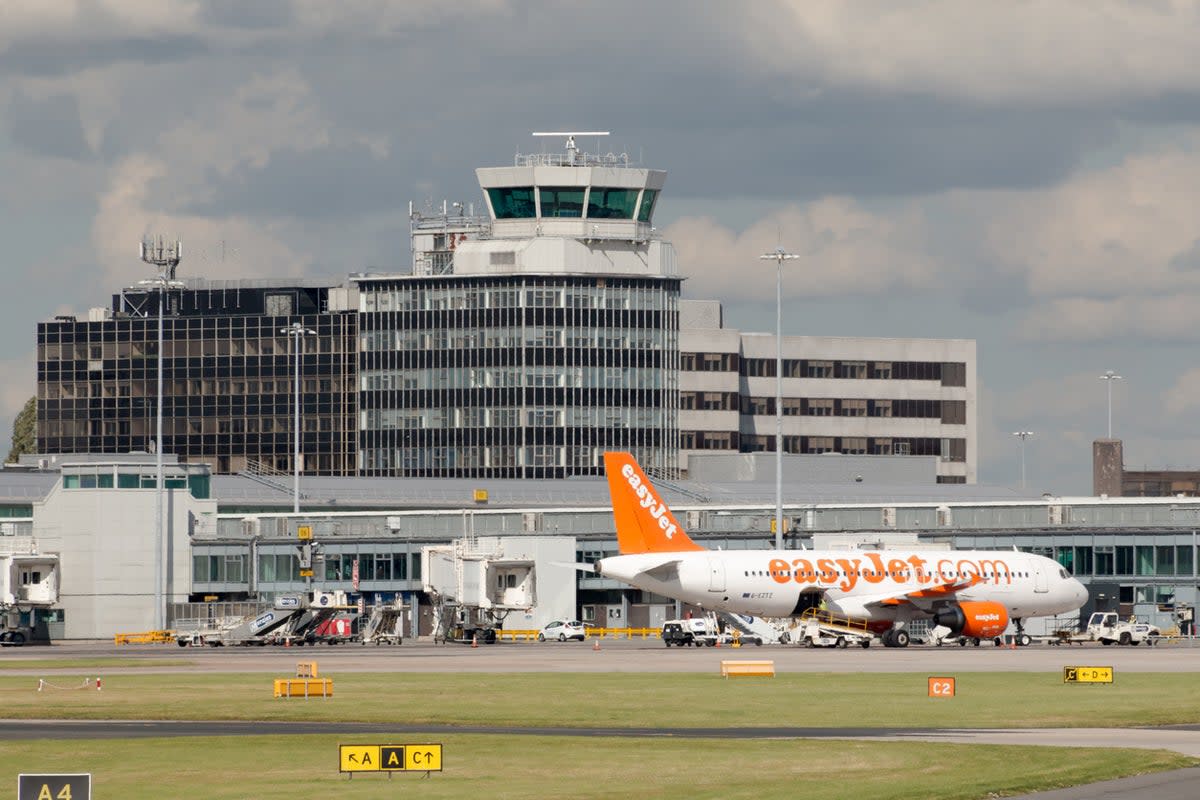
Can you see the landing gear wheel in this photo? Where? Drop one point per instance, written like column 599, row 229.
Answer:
column 962, row 642
column 976, row 642
column 901, row 638
column 888, row 638
column 1024, row 640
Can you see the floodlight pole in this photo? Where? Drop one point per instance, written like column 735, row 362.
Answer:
column 1108, row 377
column 1023, row 435
column 779, row 256
column 296, row 330
column 166, row 258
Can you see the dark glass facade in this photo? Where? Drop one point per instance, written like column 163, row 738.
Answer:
column 228, row 379
column 517, row 376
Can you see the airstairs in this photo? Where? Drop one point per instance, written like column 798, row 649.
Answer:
column 756, row 628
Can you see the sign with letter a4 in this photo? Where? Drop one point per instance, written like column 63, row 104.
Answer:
column 55, row 787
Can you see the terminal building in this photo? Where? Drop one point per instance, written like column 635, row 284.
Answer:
column 522, row 343
column 230, row 541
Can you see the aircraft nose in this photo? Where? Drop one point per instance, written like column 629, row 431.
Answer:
column 1079, row 591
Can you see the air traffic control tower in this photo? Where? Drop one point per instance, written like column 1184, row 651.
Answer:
column 529, row 341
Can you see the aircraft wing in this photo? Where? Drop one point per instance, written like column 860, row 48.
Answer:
column 924, row 597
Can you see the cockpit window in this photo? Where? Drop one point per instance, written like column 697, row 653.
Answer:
column 1062, row 573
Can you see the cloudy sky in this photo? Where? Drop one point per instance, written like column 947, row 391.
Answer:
column 1026, row 174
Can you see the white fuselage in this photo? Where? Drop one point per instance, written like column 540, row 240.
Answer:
column 770, row 583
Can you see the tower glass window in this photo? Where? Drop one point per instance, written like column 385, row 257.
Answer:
column 512, row 202
column 564, row 201
column 646, row 210
column 606, row 203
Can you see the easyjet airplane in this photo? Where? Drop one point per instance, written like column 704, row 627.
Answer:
column 974, row 593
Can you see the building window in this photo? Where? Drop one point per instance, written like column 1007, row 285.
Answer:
column 851, row 369
column 954, row 374
column 818, row 369
column 565, row 201
column 512, row 202
column 819, row 408
column 853, row 408
column 820, row 444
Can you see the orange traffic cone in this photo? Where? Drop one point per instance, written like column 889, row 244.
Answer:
column 475, row 641
column 596, row 644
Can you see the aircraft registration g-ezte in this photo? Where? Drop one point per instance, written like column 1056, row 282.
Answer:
column 974, row 593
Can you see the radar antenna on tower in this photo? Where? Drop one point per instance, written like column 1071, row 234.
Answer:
column 572, row 150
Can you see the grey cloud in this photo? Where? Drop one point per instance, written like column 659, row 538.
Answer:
column 55, row 58
column 256, row 15
column 49, row 127
column 331, row 183
column 1188, row 260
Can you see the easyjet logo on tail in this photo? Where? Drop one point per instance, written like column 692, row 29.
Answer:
column 644, row 523
column 649, row 500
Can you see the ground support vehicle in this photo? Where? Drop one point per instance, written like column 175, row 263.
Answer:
column 293, row 619
column 753, row 630
column 821, row 629
column 1108, row 628
column 384, row 625
column 694, row 632
column 14, row 632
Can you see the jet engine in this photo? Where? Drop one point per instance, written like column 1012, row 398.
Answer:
column 977, row 620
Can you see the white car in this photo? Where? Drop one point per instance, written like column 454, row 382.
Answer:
column 562, row 630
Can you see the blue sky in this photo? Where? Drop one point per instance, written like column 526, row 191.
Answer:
column 1026, row 175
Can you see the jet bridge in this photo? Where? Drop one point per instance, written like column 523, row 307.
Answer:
column 28, row 583
column 474, row 590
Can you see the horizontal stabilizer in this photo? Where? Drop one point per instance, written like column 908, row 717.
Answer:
column 582, row 567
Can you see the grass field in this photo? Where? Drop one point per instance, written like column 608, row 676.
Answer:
column 495, row 767
column 521, row 766
column 1005, row 700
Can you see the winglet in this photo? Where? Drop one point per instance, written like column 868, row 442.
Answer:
column 644, row 523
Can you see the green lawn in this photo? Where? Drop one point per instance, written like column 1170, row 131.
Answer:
column 628, row 699
column 519, row 766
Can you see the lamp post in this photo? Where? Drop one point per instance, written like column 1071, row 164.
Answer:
column 779, row 256
column 1022, row 435
column 296, row 330
column 166, row 258
column 1108, row 377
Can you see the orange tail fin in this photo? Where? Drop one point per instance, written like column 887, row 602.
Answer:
column 644, row 523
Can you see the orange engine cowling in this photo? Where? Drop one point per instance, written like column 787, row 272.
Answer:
column 978, row 620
